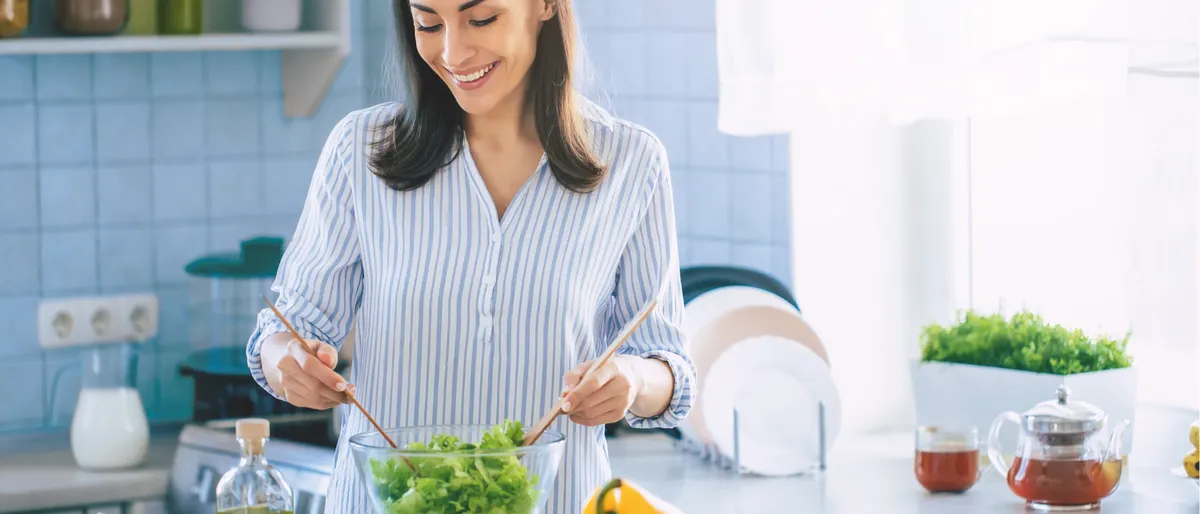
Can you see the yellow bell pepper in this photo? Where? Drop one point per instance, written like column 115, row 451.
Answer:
column 620, row 496
column 1191, row 464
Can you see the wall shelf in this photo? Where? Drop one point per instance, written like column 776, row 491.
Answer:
column 311, row 58
column 205, row 42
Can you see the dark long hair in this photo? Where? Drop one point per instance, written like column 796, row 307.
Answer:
column 427, row 133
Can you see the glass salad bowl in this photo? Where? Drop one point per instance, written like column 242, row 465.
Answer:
column 457, row 468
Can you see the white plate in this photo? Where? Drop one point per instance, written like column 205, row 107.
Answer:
column 701, row 313
column 736, row 325
column 775, row 384
column 709, row 306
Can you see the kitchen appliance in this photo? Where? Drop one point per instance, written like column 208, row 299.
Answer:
column 109, row 429
column 300, row 450
column 225, row 296
column 224, row 388
column 1067, row 457
column 225, row 292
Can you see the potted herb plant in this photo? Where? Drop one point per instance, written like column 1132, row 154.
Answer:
column 985, row 364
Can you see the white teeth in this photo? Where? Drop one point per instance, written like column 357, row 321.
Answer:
column 474, row 76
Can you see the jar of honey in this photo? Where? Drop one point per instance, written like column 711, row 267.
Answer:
column 14, row 17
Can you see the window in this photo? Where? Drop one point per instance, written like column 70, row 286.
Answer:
column 1090, row 217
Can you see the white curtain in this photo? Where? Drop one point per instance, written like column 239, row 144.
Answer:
column 914, row 59
column 877, row 94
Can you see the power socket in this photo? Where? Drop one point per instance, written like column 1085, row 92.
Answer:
column 102, row 319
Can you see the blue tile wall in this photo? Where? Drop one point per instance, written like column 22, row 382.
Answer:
column 116, row 170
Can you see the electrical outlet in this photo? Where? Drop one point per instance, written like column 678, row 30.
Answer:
column 102, row 319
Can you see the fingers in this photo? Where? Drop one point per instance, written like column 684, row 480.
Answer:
column 615, row 388
column 578, row 394
column 317, row 388
column 328, row 354
column 309, row 381
column 608, row 411
column 571, row 379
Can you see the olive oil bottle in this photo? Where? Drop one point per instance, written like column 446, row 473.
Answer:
column 253, row 487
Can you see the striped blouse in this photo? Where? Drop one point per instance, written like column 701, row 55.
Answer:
column 462, row 317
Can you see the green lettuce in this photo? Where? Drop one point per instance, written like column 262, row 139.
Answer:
column 459, row 483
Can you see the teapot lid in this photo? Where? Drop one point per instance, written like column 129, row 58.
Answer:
column 1063, row 416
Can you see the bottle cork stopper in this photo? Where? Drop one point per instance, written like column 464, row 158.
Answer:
column 253, row 428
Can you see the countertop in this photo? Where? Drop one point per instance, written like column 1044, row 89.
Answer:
column 866, row 475
column 44, row 476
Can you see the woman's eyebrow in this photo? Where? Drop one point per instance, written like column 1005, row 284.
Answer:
column 461, row 8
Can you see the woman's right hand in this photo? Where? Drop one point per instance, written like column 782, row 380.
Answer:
column 301, row 379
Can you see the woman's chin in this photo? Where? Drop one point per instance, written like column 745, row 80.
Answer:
column 475, row 104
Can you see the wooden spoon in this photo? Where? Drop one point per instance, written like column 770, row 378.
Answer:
column 349, row 396
column 555, row 411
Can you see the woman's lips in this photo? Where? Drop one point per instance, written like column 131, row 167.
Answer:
column 474, row 79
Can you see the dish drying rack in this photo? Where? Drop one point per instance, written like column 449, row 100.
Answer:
column 710, row 454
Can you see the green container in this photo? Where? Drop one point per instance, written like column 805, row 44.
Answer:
column 181, row 17
column 143, row 18
column 226, row 291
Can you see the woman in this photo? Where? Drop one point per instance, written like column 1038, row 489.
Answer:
column 488, row 238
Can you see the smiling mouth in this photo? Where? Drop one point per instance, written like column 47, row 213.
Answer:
column 472, row 77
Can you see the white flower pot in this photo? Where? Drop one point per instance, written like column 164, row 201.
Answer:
column 967, row 395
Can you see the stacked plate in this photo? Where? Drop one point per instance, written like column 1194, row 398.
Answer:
column 756, row 356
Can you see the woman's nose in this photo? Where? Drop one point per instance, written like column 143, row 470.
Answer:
column 456, row 48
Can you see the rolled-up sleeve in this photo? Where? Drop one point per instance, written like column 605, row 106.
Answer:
column 649, row 268
column 319, row 283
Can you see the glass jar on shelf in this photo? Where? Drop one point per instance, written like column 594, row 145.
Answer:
column 143, row 18
column 91, row 17
column 14, row 17
column 181, row 17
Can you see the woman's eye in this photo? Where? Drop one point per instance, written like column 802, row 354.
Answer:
column 431, row 28
column 480, row 23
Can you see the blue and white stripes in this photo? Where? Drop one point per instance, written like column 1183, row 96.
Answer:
column 463, row 318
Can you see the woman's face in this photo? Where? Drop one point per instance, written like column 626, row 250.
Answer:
column 482, row 49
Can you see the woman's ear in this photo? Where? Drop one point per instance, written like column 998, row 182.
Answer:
column 549, row 9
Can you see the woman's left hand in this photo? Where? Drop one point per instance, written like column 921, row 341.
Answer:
column 606, row 395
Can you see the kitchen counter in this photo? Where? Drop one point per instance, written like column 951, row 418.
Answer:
column 865, row 475
column 45, row 476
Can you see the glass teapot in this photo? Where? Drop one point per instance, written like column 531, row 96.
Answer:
column 1063, row 460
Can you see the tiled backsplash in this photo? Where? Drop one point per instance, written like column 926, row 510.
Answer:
column 118, row 169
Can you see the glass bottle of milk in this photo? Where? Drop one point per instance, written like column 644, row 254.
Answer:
column 109, row 429
column 253, row 487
